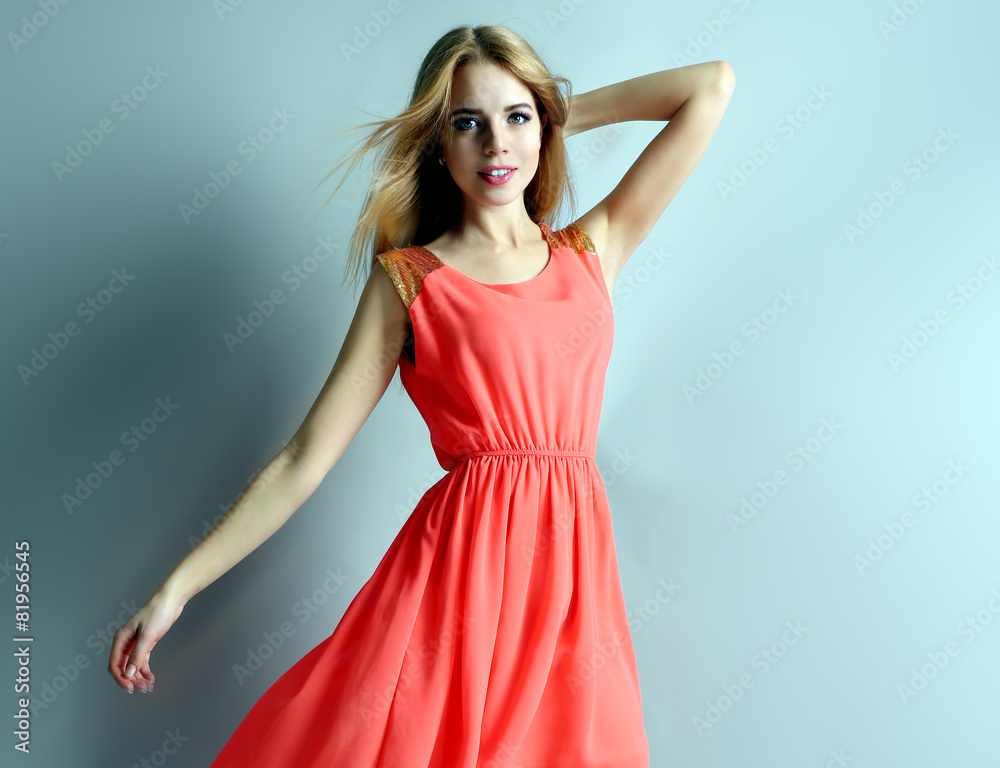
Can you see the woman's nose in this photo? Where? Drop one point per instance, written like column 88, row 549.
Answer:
column 495, row 141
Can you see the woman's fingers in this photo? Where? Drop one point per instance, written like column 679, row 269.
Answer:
column 121, row 647
column 141, row 682
column 129, row 662
column 137, row 663
column 135, row 640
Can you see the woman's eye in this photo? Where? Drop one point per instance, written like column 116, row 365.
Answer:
column 462, row 124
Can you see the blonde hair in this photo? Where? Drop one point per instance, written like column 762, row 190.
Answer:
column 412, row 199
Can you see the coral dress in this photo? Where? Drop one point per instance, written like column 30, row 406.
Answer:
column 493, row 633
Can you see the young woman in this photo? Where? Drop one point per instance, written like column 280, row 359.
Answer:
column 494, row 631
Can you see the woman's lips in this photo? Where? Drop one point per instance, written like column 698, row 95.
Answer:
column 503, row 179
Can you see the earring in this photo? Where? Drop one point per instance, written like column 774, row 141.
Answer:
column 440, row 159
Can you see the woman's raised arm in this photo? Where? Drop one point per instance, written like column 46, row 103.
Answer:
column 693, row 100
column 363, row 370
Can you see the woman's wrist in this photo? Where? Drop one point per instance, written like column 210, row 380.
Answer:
column 171, row 591
column 577, row 120
column 594, row 109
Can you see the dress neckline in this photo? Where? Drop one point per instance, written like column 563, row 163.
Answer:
column 548, row 241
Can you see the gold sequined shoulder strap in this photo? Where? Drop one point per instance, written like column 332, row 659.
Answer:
column 573, row 236
column 407, row 267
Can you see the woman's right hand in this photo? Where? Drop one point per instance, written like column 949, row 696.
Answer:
column 130, row 649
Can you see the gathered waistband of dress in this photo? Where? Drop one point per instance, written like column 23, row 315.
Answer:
column 523, row 452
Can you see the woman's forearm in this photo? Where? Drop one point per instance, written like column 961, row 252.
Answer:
column 656, row 96
column 277, row 491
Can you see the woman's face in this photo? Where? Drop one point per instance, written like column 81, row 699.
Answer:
column 492, row 122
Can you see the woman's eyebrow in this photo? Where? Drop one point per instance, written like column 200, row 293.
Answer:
column 473, row 111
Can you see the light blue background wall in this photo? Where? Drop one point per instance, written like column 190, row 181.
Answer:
column 677, row 466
